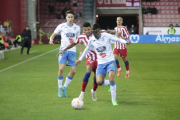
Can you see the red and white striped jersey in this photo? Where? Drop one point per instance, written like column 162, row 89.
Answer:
column 84, row 40
column 124, row 33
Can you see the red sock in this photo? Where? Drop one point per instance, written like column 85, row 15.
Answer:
column 95, row 86
column 84, row 84
column 117, row 64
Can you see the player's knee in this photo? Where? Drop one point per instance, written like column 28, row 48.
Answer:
column 73, row 71
column 99, row 82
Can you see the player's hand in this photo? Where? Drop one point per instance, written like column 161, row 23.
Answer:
column 77, row 62
column 61, row 52
column 51, row 42
column 128, row 42
column 118, row 34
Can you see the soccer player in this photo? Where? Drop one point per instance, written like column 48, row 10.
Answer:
column 120, row 48
column 91, row 60
column 101, row 43
column 69, row 31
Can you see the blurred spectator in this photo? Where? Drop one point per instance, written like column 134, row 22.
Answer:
column 69, row 8
column 64, row 12
column 41, row 34
column 177, row 25
column 17, row 40
column 75, row 3
column 171, row 30
column 51, row 9
column 58, row 16
column 1, row 43
column 127, row 28
column 133, row 30
column 78, row 15
column 1, row 28
column 153, row 10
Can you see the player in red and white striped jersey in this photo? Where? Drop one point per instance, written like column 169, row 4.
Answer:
column 120, row 48
column 91, row 60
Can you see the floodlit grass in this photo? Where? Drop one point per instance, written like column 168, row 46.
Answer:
column 28, row 91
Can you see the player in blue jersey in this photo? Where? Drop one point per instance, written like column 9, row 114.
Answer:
column 69, row 31
column 101, row 43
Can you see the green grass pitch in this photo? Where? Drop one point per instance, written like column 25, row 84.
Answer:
column 28, row 86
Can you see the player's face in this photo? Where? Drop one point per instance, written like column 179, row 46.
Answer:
column 70, row 18
column 119, row 21
column 96, row 33
column 87, row 31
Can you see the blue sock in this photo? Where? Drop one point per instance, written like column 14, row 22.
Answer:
column 86, row 77
column 60, row 77
column 127, row 63
column 70, row 78
column 117, row 62
column 112, row 83
column 95, row 81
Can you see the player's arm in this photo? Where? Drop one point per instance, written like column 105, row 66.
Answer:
column 80, row 49
column 119, row 40
column 68, row 47
column 52, row 38
column 84, row 53
column 111, row 31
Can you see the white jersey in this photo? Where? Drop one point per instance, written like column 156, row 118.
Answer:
column 67, row 32
column 84, row 39
column 102, row 47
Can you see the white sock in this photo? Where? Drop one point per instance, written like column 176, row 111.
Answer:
column 60, row 80
column 113, row 92
column 119, row 69
column 106, row 82
column 68, row 81
column 127, row 71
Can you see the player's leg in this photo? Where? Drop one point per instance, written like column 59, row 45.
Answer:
column 62, row 62
column 111, row 69
column 71, row 58
column 116, row 53
column 126, row 62
column 85, row 80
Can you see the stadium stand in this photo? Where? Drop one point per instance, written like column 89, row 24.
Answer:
column 167, row 13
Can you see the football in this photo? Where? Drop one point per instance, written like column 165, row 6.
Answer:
column 77, row 103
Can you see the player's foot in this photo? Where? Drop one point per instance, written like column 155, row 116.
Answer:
column 119, row 73
column 65, row 91
column 109, row 90
column 59, row 92
column 81, row 96
column 94, row 97
column 127, row 75
column 114, row 102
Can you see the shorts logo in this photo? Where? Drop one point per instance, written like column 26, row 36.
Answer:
column 70, row 35
column 101, row 49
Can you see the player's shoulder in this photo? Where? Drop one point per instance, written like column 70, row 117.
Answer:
column 82, row 36
column 75, row 25
column 61, row 25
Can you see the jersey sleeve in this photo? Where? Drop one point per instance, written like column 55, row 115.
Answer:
column 115, row 39
column 78, row 32
column 58, row 29
column 89, row 47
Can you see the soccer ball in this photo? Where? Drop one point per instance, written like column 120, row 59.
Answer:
column 77, row 103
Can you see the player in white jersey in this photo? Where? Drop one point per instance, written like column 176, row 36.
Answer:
column 120, row 48
column 101, row 43
column 69, row 31
column 91, row 60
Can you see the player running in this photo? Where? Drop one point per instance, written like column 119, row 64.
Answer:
column 91, row 60
column 69, row 31
column 101, row 43
column 120, row 48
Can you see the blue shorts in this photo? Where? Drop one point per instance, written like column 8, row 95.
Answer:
column 102, row 69
column 69, row 57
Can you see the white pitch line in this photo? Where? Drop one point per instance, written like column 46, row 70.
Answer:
column 27, row 60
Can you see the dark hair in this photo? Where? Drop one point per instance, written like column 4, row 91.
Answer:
column 69, row 12
column 86, row 24
column 96, row 26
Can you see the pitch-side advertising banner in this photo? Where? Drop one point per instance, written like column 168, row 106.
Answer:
column 117, row 3
column 154, row 38
column 159, row 30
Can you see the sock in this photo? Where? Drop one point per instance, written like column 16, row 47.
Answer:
column 95, row 85
column 113, row 90
column 85, row 81
column 68, row 81
column 127, row 65
column 105, row 82
column 117, row 64
column 60, row 80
